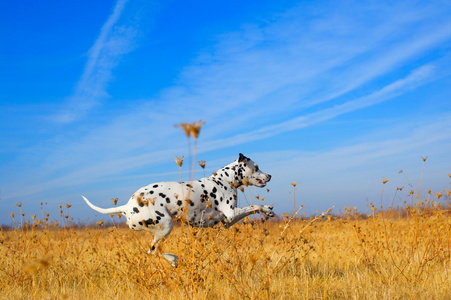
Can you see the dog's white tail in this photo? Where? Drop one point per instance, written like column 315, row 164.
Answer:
column 113, row 210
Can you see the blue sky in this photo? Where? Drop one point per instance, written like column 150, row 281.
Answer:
column 334, row 95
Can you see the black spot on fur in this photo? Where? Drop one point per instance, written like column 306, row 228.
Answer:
column 155, row 186
column 179, row 203
column 159, row 213
column 162, row 195
column 151, row 192
column 135, row 209
column 147, row 222
column 168, row 200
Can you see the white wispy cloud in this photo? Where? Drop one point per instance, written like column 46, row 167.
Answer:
column 416, row 78
column 249, row 74
column 115, row 40
column 254, row 70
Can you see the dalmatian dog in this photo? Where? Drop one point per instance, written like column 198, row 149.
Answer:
column 202, row 203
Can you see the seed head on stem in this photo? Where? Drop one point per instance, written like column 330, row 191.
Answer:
column 195, row 128
column 294, row 197
column 179, row 160
column 186, row 128
column 438, row 195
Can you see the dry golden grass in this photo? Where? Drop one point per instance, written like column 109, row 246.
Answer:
column 393, row 254
column 382, row 257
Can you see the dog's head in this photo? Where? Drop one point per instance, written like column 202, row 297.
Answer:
column 251, row 171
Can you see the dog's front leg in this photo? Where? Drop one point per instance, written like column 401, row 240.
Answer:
column 241, row 213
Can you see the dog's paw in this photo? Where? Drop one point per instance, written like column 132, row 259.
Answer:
column 173, row 259
column 267, row 209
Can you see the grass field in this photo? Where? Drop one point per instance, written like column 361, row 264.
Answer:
column 392, row 254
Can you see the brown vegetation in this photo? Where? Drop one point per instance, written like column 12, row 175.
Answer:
column 384, row 256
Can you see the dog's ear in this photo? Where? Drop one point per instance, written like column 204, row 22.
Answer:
column 242, row 158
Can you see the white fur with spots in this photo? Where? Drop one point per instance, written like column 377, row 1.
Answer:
column 208, row 201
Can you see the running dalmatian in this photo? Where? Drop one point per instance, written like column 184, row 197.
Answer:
column 209, row 201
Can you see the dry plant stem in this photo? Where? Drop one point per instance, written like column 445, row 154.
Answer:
column 193, row 240
column 291, row 219
column 421, row 179
column 21, row 217
column 386, row 238
column 183, row 194
column 193, row 163
column 290, row 245
column 185, row 209
column 252, row 203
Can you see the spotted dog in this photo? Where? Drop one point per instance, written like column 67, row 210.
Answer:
column 209, row 201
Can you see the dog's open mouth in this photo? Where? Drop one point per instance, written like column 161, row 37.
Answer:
column 261, row 182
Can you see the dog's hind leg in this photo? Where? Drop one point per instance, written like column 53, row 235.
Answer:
column 159, row 232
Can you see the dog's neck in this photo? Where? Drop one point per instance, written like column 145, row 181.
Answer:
column 232, row 173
